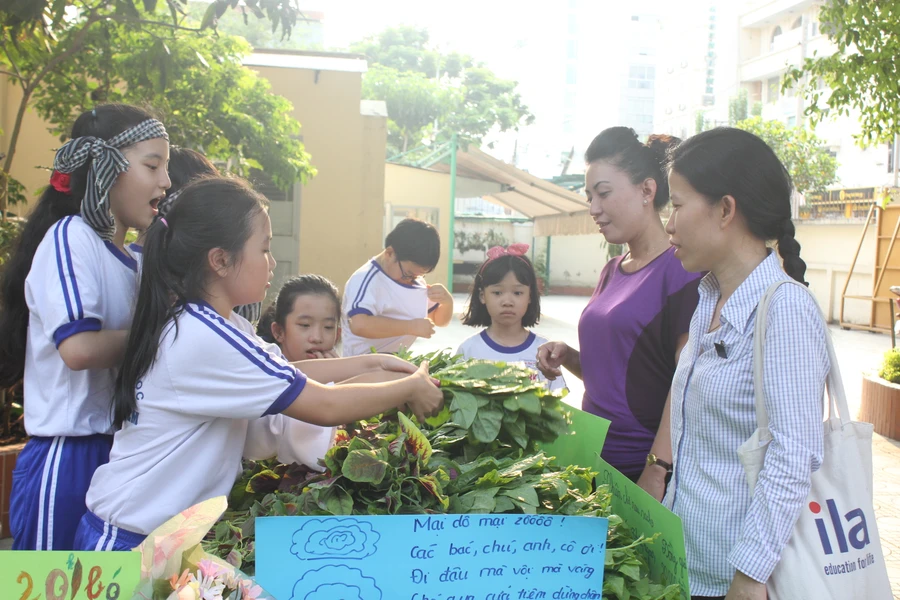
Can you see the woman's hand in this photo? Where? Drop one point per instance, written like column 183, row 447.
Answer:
column 653, row 481
column 426, row 398
column 551, row 357
column 745, row 588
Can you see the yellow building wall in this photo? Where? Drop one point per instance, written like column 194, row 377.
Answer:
column 410, row 186
column 374, row 149
column 828, row 251
column 341, row 207
column 35, row 147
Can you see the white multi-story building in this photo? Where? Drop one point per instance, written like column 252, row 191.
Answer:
column 638, row 84
column 697, row 67
column 565, row 77
column 777, row 34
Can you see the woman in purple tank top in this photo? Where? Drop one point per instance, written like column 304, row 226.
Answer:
column 636, row 323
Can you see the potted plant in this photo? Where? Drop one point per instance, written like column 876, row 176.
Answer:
column 880, row 403
column 540, row 270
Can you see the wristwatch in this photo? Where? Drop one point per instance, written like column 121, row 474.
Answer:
column 653, row 460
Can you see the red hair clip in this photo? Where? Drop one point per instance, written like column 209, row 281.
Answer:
column 61, row 182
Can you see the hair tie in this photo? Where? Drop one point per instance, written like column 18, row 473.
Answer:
column 61, row 182
column 166, row 203
column 164, row 222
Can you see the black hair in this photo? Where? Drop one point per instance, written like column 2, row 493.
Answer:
column 620, row 147
column 185, row 165
column 212, row 212
column 492, row 272
column 731, row 162
column 103, row 122
column 300, row 285
column 415, row 241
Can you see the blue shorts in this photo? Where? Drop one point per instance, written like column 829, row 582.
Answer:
column 95, row 534
column 49, row 483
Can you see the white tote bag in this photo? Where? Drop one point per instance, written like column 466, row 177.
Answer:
column 834, row 551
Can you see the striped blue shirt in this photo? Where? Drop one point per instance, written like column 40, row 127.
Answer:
column 727, row 528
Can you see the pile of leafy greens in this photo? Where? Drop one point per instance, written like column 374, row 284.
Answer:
column 480, row 455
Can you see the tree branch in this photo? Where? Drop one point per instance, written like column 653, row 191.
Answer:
column 11, row 61
column 133, row 21
column 2, row 72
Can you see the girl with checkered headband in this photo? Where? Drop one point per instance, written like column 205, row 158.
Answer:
column 68, row 294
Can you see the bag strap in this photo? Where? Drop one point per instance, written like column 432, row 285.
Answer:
column 837, row 404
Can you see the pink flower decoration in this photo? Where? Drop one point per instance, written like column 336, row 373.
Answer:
column 511, row 250
column 208, row 569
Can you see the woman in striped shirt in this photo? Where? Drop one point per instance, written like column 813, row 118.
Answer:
column 730, row 195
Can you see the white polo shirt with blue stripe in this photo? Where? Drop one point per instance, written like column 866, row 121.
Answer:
column 77, row 282
column 184, row 442
column 371, row 291
column 481, row 346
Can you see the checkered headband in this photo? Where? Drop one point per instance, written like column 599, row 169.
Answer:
column 108, row 161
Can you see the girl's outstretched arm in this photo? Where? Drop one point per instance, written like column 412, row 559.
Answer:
column 330, row 405
column 326, row 370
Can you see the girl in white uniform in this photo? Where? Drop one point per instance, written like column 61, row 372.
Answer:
column 68, row 297
column 194, row 374
column 185, row 165
column 505, row 301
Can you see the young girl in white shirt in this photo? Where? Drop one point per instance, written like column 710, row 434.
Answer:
column 68, row 296
column 305, row 318
column 506, row 302
column 195, row 374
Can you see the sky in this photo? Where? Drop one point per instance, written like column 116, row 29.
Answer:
column 517, row 40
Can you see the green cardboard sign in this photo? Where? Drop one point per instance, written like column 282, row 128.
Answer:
column 582, row 445
column 50, row 575
column 646, row 516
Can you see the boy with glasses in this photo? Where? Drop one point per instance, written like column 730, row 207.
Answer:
column 387, row 303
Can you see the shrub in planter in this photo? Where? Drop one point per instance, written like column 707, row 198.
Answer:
column 890, row 366
column 880, row 403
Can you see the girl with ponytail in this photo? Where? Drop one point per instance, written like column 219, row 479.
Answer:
column 195, row 376
column 67, row 300
column 730, row 196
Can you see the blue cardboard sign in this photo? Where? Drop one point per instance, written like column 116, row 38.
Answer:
column 431, row 557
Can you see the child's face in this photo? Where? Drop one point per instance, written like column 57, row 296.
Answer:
column 136, row 193
column 310, row 328
column 506, row 301
column 403, row 271
column 247, row 279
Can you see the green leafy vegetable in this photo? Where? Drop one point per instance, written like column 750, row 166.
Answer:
column 480, row 455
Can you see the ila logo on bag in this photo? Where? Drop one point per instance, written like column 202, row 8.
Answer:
column 857, row 536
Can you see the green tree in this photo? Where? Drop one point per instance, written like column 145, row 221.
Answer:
column 808, row 161
column 413, row 103
column 42, row 41
column 738, row 107
column 862, row 74
column 700, row 122
column 241, row 21
column 197, row 85
column 475, row 101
